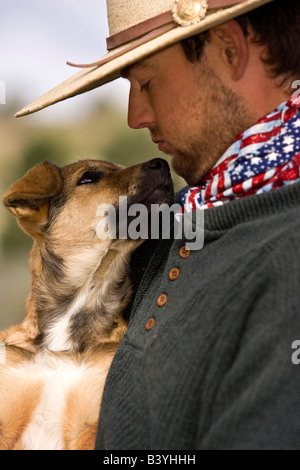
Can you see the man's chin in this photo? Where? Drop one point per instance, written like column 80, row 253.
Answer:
column 183, row 168
column 180, row 163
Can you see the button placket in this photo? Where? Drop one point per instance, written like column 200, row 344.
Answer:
column 184, row 252
column 150, row 324
column 162, row 300
column 173, row 275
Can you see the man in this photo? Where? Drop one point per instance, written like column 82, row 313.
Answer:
column 210, row 357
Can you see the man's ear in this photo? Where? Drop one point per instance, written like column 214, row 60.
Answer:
column 28, row 198
column 233, row 48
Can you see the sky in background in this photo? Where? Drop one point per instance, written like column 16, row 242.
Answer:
column 37, row 37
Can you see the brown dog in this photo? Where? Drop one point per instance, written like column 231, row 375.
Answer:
column 57, row 359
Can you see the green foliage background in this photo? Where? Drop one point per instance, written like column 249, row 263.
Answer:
column 103, row 134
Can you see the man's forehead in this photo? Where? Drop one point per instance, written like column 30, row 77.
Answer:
column 156, row 62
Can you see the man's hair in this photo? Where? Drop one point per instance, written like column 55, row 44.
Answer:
column 276, row 26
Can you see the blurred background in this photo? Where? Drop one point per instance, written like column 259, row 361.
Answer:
column 36, row 39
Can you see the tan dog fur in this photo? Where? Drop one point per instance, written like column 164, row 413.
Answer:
column 57, row 359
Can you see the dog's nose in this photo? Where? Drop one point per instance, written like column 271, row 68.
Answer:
column 157, row 164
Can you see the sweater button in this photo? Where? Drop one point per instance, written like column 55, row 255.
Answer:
column 150, row 324
column 184, row 252
column 174, row 274
column 162, row 300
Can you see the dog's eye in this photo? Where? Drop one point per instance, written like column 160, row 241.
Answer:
column 90, row 177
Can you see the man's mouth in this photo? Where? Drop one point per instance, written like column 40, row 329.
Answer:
column 163, row 146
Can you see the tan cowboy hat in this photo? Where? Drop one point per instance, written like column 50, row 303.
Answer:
column 139, row 28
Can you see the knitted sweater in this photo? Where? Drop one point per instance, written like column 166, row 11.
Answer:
column 215, row 370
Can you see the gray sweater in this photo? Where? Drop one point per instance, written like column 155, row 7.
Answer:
column 215, row 371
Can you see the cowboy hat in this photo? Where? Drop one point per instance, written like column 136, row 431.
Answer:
column 139, row 28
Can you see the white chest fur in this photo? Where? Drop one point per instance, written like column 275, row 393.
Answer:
column 60, row 376
column 45, row 428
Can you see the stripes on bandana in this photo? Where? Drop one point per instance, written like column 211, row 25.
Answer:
column 264, row 157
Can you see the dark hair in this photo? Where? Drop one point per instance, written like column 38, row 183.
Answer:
column 275, row 25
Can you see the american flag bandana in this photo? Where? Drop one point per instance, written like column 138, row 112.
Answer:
column 261, row 159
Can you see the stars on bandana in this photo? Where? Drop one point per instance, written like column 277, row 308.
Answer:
column 273, row 156
column 296, row 124
column 268, row 158
column 289, row 140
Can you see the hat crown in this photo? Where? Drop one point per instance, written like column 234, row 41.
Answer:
column 138, row 29
column 128, row 13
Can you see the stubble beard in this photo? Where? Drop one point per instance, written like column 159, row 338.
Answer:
column 226, row 116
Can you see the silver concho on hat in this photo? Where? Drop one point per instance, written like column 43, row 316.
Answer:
column 189, row 12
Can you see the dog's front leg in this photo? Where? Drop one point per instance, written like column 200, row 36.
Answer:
column 18, row 400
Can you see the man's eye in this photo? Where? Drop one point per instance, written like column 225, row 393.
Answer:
column 90, row 177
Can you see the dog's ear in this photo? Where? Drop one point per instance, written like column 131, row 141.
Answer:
column 28, row 198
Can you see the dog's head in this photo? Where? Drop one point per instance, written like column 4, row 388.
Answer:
column 64, row 202
column 59, row 208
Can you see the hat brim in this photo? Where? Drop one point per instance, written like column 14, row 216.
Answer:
column 92, row 77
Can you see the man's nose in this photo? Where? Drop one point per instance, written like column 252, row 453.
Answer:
column 140, row 112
